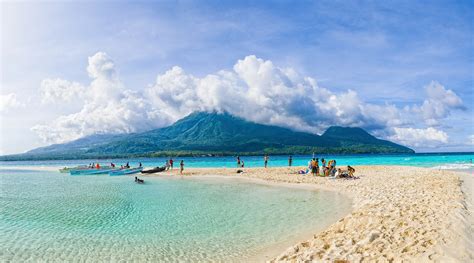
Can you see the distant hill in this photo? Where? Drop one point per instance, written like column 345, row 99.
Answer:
column 203, row 133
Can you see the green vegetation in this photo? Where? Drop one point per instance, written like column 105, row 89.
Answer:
column 213, row 134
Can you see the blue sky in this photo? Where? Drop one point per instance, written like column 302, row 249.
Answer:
column 388, row 53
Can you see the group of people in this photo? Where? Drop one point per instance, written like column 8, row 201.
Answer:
column 315, row 167
column 328, row 169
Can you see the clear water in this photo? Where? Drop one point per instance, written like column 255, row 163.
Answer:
column 48, row 216
column 436, row 160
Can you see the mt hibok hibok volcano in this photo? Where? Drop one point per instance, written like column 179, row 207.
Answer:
column 216, row 134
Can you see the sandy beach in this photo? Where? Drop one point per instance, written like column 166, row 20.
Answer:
column 399, row 214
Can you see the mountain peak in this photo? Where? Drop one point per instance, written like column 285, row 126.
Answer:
column 219, row 133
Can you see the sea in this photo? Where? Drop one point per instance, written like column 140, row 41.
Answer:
column 431, row 160
column 50, row 216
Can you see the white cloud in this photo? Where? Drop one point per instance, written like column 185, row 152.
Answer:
column 429, row 137
column 9, row 102
column 59, row 90
column 108, row 107
column 254, row 89
column 439, row 103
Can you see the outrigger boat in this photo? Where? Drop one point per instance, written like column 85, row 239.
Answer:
column 92, row 171
column 125, row 171
column 68, row 169
column 154, row 170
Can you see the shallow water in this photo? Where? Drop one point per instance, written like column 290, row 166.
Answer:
column 51, row 216
column 436, row 160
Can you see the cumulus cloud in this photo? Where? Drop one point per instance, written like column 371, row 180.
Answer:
column 9, row 102
column 254, row 89
column 108, row 107
column 59, row 90
column 420, row 137
column 439, row 104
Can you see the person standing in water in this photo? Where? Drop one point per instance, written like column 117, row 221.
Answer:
column 290, row 161
column 171, row 163
column 238, row 161
column 181, row 167
column 265, row 159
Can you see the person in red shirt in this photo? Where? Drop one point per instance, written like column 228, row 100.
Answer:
column 171, row 163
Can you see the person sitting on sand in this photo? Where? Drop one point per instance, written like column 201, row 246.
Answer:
column 351, row 171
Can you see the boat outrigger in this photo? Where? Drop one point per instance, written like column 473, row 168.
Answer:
column 125, row 171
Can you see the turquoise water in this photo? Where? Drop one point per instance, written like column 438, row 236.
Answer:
column 48, row 216
column 437, row 160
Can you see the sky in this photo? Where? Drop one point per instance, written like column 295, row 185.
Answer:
column 402, row 70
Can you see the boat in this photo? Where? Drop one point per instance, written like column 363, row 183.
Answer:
column 68, row 169
column 154, row 170
column 91, row 171
column 125, row 171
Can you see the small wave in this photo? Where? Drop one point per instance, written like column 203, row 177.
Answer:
column 455, row 166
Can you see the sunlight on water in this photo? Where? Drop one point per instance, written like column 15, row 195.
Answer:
column 52, row 216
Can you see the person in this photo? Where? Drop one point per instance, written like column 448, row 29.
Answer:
column 97, row 166
column 317, row 166
column 290, row 161
column 313, row 167
column 167, row 165
column 140, row 181
column 242, row 162
column 181, row 166
column 139, row 164
column 127, row 165
column 238, row 161
column 351, row 171
column 323, row 167
column 171, row 163
column 265, row 159
column 112, row 165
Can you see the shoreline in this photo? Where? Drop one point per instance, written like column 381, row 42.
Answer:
column 275, row 250
column 398, row 213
